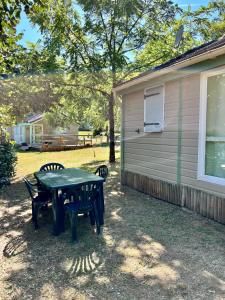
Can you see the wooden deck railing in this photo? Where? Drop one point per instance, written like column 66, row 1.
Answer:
column 66, row 141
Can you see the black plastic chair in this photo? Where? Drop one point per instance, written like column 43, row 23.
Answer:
column 102, row 171
column 39, row 199
column 83, row 199
column 51, row 167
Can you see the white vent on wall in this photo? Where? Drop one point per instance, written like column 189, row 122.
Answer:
column 154, row 109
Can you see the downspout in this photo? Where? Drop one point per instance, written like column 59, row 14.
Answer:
column 180, row 132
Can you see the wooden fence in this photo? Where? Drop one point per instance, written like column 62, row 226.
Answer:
column 48, row 142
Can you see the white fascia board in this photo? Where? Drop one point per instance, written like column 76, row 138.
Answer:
column 193, row 60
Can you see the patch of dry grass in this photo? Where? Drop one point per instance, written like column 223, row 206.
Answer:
column 149, row 249
column 29, row 162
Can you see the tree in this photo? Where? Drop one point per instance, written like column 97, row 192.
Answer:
column 10, row 13
column 200, row 26
column 101, row 38
column 208, row 22
column 7, row 151
column 6, row 120
column 34, row 88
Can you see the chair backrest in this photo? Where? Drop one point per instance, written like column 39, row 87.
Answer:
column 51, row 167
column 30, row 187
column 102, row 171
column 85, row 193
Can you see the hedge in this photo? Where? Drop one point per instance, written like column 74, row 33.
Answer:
column 7, row 163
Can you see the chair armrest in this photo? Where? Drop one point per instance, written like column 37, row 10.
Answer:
column 32, row 186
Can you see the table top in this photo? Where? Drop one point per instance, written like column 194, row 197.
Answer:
column 65, row 178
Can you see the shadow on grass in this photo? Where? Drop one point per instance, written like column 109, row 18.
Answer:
column 148, row 250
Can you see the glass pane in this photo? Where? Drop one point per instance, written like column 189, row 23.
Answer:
column 38, row 129
column 215, row 127
column 215, row 159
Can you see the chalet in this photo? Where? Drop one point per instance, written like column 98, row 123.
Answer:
column 173, row 130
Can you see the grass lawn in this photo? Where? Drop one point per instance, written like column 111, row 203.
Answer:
column 148, row 249
column 29, row 162
column 85, row 132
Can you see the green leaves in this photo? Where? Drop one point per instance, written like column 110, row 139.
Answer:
column 10, row 13
column 6, row 116
column 101, row 35
column 8, row 162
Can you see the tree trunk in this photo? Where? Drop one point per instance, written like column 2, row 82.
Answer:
column 112, row 158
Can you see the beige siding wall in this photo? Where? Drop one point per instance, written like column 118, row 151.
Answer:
column 155, row 154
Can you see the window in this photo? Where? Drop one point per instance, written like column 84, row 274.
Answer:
column 212, row 128
column 37, row 133
column 154, row 109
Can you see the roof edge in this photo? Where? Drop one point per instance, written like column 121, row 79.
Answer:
column 154, row 74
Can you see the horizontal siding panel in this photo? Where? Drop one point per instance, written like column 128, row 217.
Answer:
column 188, row 112
column 189, row 173
column 163, row 148
column 191, row 126
column 185, row 119
column 156, row 162
column 145, row 171
column 189, row 143
column 146, row 153
column 148, row 146
column 189, row 165
column 162, row 141
column 154, row 166
column 138, row 110
column 189, row 158
column 185, row 159
column 154, row 141
column 133, row 123
column 187, row 134
column 136, row 115
column 186, row 105
column 169, row 135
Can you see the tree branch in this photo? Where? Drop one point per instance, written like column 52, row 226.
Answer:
column 104, row 93
column 136, row 68
column 128, row 32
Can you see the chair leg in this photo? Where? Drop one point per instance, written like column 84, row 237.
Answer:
column 92, row 217
column 74, row 226
column 35, row 215
column 33, row 211
column 44, row 207
column 97, row 219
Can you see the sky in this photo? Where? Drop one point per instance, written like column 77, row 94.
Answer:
column 32, row 34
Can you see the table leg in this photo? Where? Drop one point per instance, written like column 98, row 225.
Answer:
column 101, row 206
column 56, row 213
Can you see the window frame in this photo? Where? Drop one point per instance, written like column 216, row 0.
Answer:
column 202, row 127
column 162, row 85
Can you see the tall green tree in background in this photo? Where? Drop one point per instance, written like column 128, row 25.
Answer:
column 10, row 14
column 90, row 46
column 208, row 22
column 202, row 25
column 100, row 38
column 34, row 89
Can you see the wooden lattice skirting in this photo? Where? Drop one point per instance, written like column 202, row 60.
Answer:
column 206, row 204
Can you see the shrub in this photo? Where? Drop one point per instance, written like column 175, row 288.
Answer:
column 97, row 131
column 7, row 163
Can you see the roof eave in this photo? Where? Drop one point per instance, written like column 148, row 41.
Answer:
column 193, row 60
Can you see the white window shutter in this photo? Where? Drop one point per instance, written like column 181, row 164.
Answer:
column 153, row 110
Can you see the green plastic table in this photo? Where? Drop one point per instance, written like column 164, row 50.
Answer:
column 57, row 180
